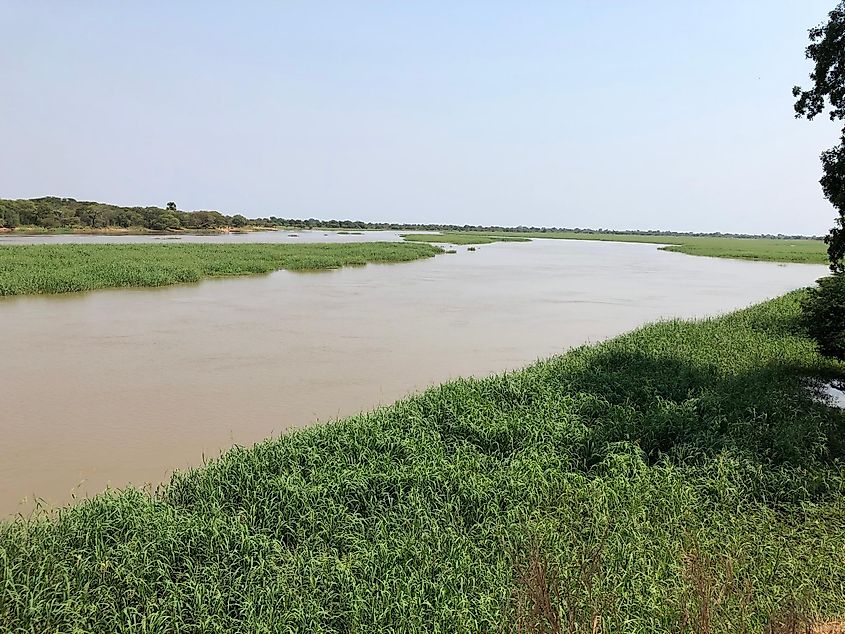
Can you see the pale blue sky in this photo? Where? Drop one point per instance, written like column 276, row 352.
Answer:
column 618, row 114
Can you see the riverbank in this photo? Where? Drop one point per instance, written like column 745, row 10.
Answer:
column 790, row 250
column 461, row 238
column 66, row 268
column 676, row 473
column 804, row 251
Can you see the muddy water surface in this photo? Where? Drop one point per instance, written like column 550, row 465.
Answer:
column 120, row 386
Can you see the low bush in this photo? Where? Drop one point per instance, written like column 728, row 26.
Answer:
column 823, row 311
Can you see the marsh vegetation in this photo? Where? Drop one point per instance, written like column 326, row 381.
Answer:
column 676, row 474
column 238, row 359
column 38, row 269
column 796, row 250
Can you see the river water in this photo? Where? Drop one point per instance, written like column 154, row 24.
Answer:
column 123, row 386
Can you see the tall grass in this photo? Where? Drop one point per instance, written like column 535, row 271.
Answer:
column 32, row 269
column 461, row 237
column 680, row 478
column 765, row 249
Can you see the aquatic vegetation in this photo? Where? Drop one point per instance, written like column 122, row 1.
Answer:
column 677, row 475
column 461, row 238
column 65, row 268
column 803, row 251
column 765, row 249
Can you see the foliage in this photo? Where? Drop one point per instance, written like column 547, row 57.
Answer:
column 827, row 52
column 68, row 213
column 65, row 268
column 676, row 479
column 53, row 213
column 164, row 222
column 824, row 315
column 9, row 217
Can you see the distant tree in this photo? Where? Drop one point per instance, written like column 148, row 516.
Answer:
column 827, row 52
column 128, row 218
column 205, row 220
column 239, row 221
column 9, row 217
column 95, row 216
column 49, row 221
column 165, row 221
column 171, row 206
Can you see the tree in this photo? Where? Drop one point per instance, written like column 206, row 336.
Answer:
column 165, row 221
column 823, row 307
column 171, row 206
column 239, row 221
column 9, row 216
column 827, row 52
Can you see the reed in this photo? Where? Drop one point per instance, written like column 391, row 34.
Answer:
column 66, row 268
column 799, row 251
column 680, row 478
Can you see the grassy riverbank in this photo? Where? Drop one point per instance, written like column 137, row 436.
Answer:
column 765, row 249
column 678, row 474
column 35, row 269
column 467, row 237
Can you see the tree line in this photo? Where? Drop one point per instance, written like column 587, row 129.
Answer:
column 313, row 223
column 52, row 212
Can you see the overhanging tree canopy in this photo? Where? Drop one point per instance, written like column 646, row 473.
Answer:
column 827, row 52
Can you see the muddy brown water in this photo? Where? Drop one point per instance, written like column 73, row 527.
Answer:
column 123, row 386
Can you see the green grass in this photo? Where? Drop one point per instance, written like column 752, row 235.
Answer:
column 468, row 237
column 33, row 269
column 674, row 475
column 769, row 250
column 765, row 249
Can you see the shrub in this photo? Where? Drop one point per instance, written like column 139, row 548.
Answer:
column 824, row 315
column 9, row 218
column 165, row 221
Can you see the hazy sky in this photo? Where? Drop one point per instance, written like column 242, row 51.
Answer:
column 617, row 114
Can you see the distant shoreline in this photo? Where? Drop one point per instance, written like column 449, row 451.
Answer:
column 52, row 214
column 126, row 231
column 794, row 251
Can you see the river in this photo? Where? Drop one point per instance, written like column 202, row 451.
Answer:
column 123, row 386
